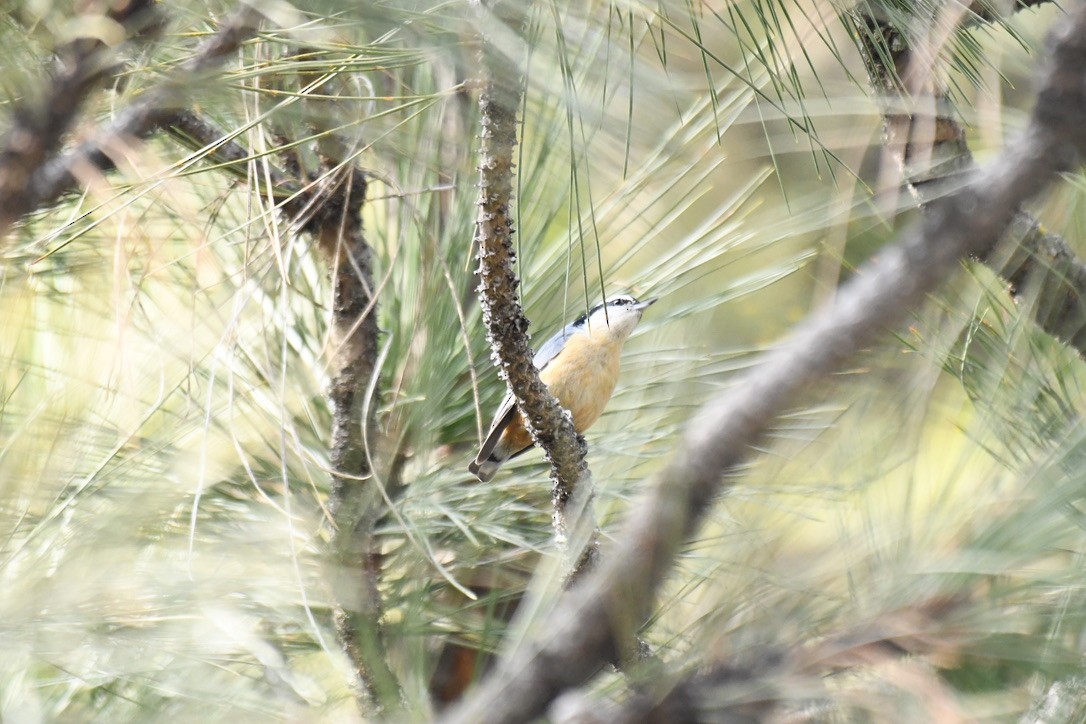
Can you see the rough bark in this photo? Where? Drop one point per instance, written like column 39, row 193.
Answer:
column 329, row 209
column 507, row 327
column 335, row 220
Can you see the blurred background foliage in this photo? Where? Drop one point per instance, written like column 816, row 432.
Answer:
column 163, row 425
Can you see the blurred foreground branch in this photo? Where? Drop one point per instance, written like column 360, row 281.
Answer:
column 987, row 11
column 588, row 626
column 901, row 650
column 200, row 134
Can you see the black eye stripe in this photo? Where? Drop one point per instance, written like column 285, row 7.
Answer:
column 622, row 301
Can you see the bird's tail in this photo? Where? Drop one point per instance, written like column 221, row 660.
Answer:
column 486, row 469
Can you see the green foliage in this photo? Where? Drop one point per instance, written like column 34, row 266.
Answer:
column 163, row 425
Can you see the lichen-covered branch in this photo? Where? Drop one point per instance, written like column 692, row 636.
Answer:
column 926, row 144
column 507, row 327
column 38, row 126
column 586, row 628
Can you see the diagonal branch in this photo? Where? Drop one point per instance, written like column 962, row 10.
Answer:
column 583, row 630
column 986, row 10
column 899, row 648
column 197, row 133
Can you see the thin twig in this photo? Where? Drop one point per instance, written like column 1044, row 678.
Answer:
column 595, row 618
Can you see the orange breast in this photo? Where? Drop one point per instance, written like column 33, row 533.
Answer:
column 583, row 377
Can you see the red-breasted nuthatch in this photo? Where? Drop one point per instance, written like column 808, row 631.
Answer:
column 579, row 365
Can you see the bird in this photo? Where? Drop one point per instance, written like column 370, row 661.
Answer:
column 579, row 366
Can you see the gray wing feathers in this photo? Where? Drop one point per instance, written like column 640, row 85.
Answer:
column 552, row 347
column 508, row 408
column 501, row 421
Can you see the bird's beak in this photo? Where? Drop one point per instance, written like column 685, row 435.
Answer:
column 645, row 304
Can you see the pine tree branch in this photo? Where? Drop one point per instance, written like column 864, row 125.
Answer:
column 507, row 327
column 588, row 626
column 899, row 648
column 332, row 213
column 989, row 11
column 696, row 698
column 329, row 208
column 197, row 133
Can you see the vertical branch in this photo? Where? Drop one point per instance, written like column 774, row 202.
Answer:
column 33, row 173
column 507, row 327
column 353, row 499
column 333, row 216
